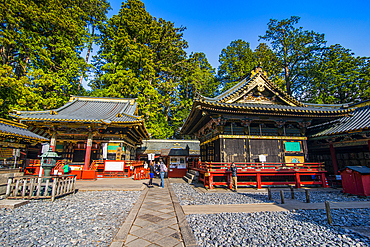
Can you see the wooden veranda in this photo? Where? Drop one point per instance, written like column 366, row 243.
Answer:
column 259, row 174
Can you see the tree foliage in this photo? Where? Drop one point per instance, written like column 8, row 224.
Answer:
column 236, row 61
column 295, row 48
column 144, row 57
column 338, row 77
column 269, row 62
column 40, row 46
column 198, row 78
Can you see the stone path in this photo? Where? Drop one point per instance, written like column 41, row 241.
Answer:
column 264, row 207
column 156, row 220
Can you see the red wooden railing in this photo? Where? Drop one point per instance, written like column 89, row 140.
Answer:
column 254, row 172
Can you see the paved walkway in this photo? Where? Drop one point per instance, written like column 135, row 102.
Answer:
column 156, row 220
column 261, row 207
column 110, row 184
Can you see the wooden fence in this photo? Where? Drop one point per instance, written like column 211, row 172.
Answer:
column 31, row 187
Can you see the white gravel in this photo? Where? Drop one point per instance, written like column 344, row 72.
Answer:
column 300, row 228
column 83, row 219
column 188, row 196
column 290, row 228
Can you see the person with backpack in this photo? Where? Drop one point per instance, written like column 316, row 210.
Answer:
column 162, row 171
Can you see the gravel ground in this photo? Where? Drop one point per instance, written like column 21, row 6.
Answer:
column 83, row 219
column 188, row 196
column 319, row 196
column 294, row 228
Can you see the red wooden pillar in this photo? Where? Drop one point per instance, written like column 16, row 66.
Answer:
column 210, row 181
column 229, row 181
column 53, row 140
column 334, row 159
column 259, row 185
column 297, row 180
column 88, row 152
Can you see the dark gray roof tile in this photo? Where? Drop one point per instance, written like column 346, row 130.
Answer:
column 87, row 109
column 16, row 130
column 359, row 120
column 360, row 169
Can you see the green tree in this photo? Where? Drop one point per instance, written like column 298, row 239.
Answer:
column 142, row 57
column 295, row 49
column 338, row 77
column 268, row 60
column 236, row 61
column 42, row 43
column 198, row 78
column 364, row 78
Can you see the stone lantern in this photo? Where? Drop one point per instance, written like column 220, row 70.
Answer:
column 48, row 161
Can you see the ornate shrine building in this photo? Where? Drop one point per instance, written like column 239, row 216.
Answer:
column 89, row 128
column 342, row 142
column 255, row 121
column 15, row 141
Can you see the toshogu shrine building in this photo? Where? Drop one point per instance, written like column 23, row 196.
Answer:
column 15, row 142
column 343, row 142
column 90, row 128
column 255, row 119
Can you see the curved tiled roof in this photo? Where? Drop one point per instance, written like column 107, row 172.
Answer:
column 19, row 130
column 360, row 120
column 87, row 109
column 281, row 108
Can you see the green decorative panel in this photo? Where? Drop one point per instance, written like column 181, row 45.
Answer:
column 292, row 146
column 113, row 147
column 59, row 146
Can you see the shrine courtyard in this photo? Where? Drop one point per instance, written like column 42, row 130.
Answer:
column 123, row 212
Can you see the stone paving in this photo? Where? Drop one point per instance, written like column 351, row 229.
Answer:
column 156, row 222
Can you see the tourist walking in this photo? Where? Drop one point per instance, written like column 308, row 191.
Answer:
column 151, row 173
column 234, row 176
column 162, row 170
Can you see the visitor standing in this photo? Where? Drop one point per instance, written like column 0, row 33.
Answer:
column 162, row 170
column 151, row 173
column 234, row 176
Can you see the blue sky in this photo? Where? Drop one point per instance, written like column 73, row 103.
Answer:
column 212, row 25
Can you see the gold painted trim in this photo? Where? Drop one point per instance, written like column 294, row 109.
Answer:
column 11, row 144
column 78, row 120
column 7, row 134
column 266, row 113
column 12, row 123
column 102, row 99
column 254, row 137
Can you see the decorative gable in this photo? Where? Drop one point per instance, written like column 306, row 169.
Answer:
column 258, row 89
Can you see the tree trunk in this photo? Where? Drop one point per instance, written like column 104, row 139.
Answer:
column 287, row 80
column 87, row 56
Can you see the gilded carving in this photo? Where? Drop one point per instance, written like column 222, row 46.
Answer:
column 252, row 98
column 261, row 87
